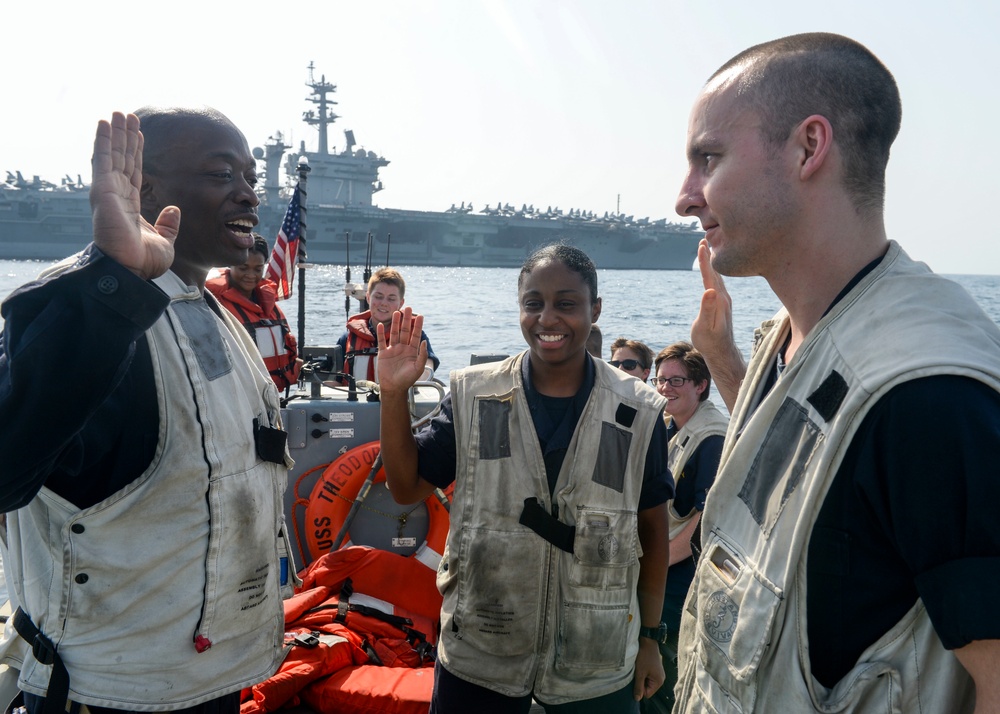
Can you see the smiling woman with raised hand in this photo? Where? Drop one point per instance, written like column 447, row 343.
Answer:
column 560, row 471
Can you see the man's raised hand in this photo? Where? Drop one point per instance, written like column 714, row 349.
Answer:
column 119, row 228
column 712, row 331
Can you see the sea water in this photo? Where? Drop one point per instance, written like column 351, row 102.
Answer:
column 474, row 310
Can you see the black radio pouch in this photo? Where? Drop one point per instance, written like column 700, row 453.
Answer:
column 269, row 442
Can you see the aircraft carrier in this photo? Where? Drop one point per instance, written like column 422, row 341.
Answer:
column 44, row 220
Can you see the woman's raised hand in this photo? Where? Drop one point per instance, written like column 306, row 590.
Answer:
column 402, row 353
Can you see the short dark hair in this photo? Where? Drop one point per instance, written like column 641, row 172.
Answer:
column 693, row 362
column 794, row 77
column 570, row 256
column 640, row 348
column 160, row 125
column 391, row 276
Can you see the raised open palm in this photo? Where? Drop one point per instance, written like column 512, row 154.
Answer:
column 120, row 231
column 402, row 353
column 712, row 331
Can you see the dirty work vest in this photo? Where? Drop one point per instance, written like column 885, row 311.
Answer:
column 706, row 421
column 186, row 554
column 519, row 613
column 744, row 644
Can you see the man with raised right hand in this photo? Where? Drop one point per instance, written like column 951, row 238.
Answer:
column 144, row 531
column 850, row 551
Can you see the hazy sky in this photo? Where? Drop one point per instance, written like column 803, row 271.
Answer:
column 548, row 102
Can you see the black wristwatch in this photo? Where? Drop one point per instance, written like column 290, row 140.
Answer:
column 657, row 634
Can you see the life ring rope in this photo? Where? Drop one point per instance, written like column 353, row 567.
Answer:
column 335, row 492
column 300, row 502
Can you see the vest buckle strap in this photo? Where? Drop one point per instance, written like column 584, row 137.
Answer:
column 45, row 652
column 535, row 517
column 344, row 603
column 41, row 646
column 269, row 442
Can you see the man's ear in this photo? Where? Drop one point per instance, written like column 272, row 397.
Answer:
column 148, row 203
column 814, row 137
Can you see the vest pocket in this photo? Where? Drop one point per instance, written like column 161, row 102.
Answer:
column 706, row 695
column 603, row 549
column 594, row 609
column 612, row 457
column 242, row 590
column 270, row 341
column 493, row 435
column 497, row 612
column 735, row 613
column 591, row 637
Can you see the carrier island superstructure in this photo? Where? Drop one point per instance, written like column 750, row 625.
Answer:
column 42, row 220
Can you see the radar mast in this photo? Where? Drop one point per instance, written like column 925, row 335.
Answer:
column 324, row 115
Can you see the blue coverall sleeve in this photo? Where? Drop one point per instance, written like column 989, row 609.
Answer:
column 66, row 343
column 430, row 352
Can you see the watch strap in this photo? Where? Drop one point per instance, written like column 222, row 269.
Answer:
column 657, row 634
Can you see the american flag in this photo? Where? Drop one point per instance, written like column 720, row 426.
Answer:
column 284, row 257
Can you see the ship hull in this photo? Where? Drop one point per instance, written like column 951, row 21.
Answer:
column 60, row 225
column 399, row 237
column 43, row 225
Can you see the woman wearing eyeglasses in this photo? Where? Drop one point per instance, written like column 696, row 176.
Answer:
column 695, row 428
column 631, row 356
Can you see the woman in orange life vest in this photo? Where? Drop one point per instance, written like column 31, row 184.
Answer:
column 243, row 291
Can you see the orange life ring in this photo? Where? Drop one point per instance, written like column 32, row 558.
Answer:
column 335, row 491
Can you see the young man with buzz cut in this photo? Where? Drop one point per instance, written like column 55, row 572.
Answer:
column 849, row 544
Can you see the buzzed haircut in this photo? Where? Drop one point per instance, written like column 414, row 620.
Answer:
column 159, row 126
column 570, row 256
column 640, row 348
column 788, row 79
column 390, row 276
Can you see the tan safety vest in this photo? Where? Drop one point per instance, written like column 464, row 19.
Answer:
column 519, row 613
column 744, row 644
column 706, row 421
column 187, row 553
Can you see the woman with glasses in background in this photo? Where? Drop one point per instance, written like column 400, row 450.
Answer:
column 631, row 356
column 696, row 429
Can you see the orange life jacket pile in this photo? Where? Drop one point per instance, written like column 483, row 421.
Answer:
column 359, row 637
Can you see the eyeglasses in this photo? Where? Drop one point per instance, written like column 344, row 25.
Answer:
column 674, row 381
column 628, row 364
